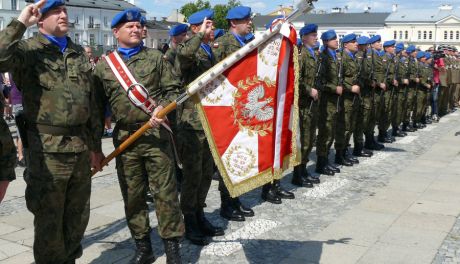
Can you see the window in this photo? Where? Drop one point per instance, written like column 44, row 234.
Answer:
column 92, row 40
column 91, row 22
column 457, row 35
column 395, row 34
column 400, row 34
column 106, row 40
column 451, row 34
column 14, row 5
column 406, row 34
column 77, row 39
column 430, row 35
column 424, row 34
column 445, row 34
column 77, row 21
column 106, row 23
column 419, row 34
column 371, row 35
column 114, row 41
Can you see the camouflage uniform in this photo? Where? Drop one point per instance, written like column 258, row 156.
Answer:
column 367, row 96
column 148, row 162
column 378, row 100
column 170, row 55
column 411, row 90
column 399, row 93
column 58, row 105
column 422, row 93
column 198, row 165
column 7, row 148
column 386, row 102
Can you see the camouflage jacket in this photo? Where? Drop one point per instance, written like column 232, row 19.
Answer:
column 170, row 55
column 424, row 74
column 379, row 67
column 413, row 69
column 225, row 45
column 350, row 72
column 307, row 71
column 389, row 64
column 329, row 73
column 57, row 89
column 364, row 77
column 149, row 69
column 191, row 61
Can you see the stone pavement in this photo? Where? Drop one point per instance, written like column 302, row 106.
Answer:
column 400, row 206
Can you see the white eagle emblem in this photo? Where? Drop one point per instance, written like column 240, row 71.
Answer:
column 258, row 109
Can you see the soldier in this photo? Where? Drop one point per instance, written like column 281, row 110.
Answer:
column 411, row 90
column 349, row 101
column 378, row 83
column 240, row 25
column 194, row 57
column 399, row 95
column 308, row 107
column 366, row 102
column 148, row 163
column 427, row 97
column 391, row 82
column 421, row 90
column 331, row 90
column 7, row 152
column 178, row 35
column 60, row 113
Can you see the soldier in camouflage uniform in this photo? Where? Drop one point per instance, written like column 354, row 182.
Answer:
column 422, row 90
column 400, row 91
column 240, row 25
column 330, row 93
column 308, row 104
column 7, row 153
column 148, row 162
column 349, row 103
column 412, row 68
column 178, row 35
column 194, row 57
column 55, row 78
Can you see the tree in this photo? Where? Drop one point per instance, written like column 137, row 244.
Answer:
column 220, row 10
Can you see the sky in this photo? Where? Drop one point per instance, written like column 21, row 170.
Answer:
column 163, row 8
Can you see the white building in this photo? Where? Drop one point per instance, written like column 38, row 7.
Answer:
column 89, row 20
column 425, row 27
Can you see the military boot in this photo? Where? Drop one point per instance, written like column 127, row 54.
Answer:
column 206, row 227
column 269, row 194
column 383, row 137
column 321, row 167
column 144, row 253
column 349, row 157
column 193, row 231
column 339, row 158
column 359, row 151
column 395, row 132
column 246, row 211
column 408, row 128
column 281, row 192
column 172, row 251
column 377, row 146
column 306, row 175
column 228, row 210
column 298, row 179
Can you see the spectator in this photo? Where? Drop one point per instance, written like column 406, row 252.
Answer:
column 17, row 109
column 438, row 67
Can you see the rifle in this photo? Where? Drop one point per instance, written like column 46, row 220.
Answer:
column 358, row 76
column 340, row 75
column 417, row 85
column 317, row 81
column 373, row 80
column 382, row 93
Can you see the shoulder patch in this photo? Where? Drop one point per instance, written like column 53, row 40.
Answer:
column 215, row 45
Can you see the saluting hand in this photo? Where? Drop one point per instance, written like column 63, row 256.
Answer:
column 31, row 14
column 207, row 26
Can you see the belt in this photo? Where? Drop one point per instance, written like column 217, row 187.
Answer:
column 57, row 130
column 130, row 127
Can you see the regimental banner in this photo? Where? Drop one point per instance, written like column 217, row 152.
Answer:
column 250, row 114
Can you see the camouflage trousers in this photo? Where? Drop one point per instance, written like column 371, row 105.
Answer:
column 327, row 125
column 410, row 103
column 148, row 163
column 367, row 108
column 386, row 104
column 308, row 118
column 197, row 171
column 378, row 104
column 420, row 104
column 58, row 194
column 398, row 107
column 7, row 153
column 347, row 119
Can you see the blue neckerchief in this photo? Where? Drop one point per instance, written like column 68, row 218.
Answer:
column 61, row 42
column 391, row 56
column 240, row 39
column 351, row 55
column 402, row 59
column 312, row 52
column 207, row 49
column 381, row 53
column 332, row 53
column 127, row 53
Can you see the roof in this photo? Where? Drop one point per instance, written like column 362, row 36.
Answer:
column 334, row 19
column 99, row 4
column 421, row 15
column 160, row 25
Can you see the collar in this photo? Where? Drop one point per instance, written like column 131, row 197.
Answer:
column 60, row 42
column 207, row 49
column 312, row 51
column 240, row 39
column 332, row 53
column 127, row 53
column 350, row 54
column 389, row 55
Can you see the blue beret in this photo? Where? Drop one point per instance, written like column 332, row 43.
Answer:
column 269, row 24
column 389, row 43
column 239, row 12
column 349, row 37
column 310, row 28
column 420, row 54
column 427, row 55
column 50, row 4
column 362, row 40
column 128, row 15
column 198, row 17
column 328, row 35
column 218, row 32
column 178, row 29
column 410, row 49
column 143, row 20
column 249, row 37
column 399, row 47
column 374, row 39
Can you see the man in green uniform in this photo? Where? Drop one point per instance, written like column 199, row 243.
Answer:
column 7, row 152
column 349, row 101
column 331, row 91
column 400, row 90
column 308, row 106
column 55, row 78
column 422, row 88
column 193, row 58
column 177, row 34
column 412, row 70
column 148, row 162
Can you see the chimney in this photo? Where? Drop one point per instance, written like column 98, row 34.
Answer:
column 394, row 8
column 336, row 10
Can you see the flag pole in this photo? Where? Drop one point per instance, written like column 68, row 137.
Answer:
column 207, row 77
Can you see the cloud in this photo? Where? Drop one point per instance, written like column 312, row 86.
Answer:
column 257, row 5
